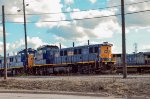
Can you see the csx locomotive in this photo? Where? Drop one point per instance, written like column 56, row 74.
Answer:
column 50, row 59
column 136, row 62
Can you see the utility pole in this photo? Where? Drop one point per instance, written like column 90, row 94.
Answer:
column 4, row 41
column 88, row 42
column 135, row 51
column 59, row 45
column 60, row 51
column 73, row 44
column 123, row 41
column 135, row 48
column 25, row 32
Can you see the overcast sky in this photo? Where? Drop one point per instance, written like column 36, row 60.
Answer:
column 97, row 30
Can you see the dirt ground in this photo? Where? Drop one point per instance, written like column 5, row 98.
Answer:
column 111, row 86
column 48, row 96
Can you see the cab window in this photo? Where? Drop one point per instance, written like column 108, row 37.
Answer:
column 75, row 51
column 91, row 50
column 96, row 49
column 61, row 53
column 80, row 51
column 65, row 53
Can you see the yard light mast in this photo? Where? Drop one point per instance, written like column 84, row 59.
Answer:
column 25, row 32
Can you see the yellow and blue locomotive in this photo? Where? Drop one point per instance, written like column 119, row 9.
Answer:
column 50, row 59
column 87, row 59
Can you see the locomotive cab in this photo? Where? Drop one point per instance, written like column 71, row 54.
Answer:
column 105, row 58
column 106, row 52
column 45, row 54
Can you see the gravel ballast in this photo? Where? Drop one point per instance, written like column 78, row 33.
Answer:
column 111, row 86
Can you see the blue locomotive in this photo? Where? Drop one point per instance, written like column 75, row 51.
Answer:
column 136, row 62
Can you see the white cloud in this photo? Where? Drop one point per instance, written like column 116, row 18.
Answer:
column 91, row 13
column 11, row 8
column 1, row 47
column 33, row 42
column 146, row 48
column 134, row 20
column 106, row 29
column 68, row 2
column 58, row 44
column 98, row 28
column 70, row 32
column 68, row 9
column 47, row 6
column 36, row 6
column 51, row 7
column 76, row 30
column 59, row 38
column 116, row 49
column 1, row 31
column 93, row 1
column 86, row 29
column 54, row 17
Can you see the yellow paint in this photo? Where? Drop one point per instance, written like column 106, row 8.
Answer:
column 30, row 60
column 106, row 52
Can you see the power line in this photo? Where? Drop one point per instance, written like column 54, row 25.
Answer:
column 84, row 10
column 138, row 2
column 137, row 12
column 83, row 18
column 67, row 11
column 68, row 19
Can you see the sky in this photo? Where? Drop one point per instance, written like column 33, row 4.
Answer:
column 97, row 30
